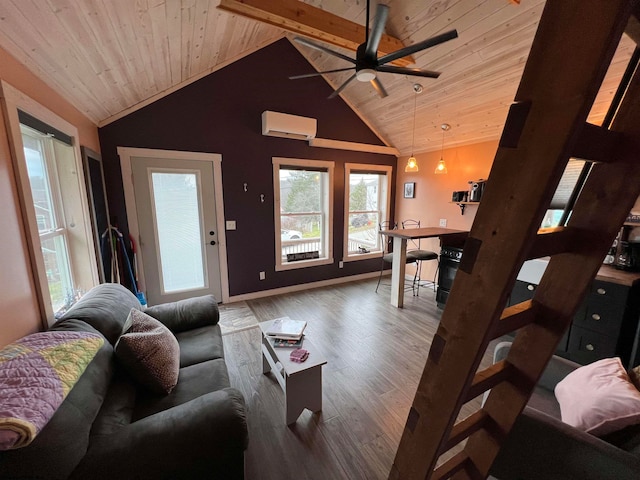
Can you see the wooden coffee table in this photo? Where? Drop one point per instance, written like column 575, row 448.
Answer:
column 300, row 382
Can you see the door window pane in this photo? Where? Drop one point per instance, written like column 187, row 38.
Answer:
column 176, row 204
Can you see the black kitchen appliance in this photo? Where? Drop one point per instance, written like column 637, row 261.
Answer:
column 460, row 196
column 476, row 190
column 449, row 263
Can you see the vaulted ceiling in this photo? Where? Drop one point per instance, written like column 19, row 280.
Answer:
column 108, row 57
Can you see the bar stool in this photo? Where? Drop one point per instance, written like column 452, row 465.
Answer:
column 420, row 256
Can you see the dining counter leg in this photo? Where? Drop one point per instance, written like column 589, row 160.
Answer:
column 397, row 271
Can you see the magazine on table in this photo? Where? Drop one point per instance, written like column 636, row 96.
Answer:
column 287, row 342
column 286, row 328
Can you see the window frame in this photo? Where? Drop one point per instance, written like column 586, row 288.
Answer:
column 320, row 165
column 59, row 229
column 364, row 168
column 12, row 101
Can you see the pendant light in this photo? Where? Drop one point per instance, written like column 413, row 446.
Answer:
column 412, row 163
column 441, row 167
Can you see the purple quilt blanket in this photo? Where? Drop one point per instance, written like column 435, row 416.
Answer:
column 36, row 374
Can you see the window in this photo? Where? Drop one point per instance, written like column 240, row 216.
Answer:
column 53, row 202
column 43, row 177
column 303, row 191
column 560, row 199
column 367, row 204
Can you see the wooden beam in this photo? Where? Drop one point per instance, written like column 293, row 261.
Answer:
column 307, row 20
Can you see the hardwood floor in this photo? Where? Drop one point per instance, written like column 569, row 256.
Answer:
column 375, row 353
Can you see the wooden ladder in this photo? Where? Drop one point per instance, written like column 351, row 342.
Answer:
column 546, row 125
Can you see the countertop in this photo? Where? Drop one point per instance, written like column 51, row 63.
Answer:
column 532, row 271
column 607, row 273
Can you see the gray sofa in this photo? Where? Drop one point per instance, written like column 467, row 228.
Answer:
column 541, row 446
column 109, row 427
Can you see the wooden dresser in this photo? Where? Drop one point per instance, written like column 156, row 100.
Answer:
column 606, row 324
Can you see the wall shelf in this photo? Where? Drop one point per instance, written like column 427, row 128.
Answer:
column 462, row 205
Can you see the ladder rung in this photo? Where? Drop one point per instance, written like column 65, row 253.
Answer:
column 452, row 466
column 513, row 318
column 551, row 241
column 633, row 27
column 597, row 144
column 465, row 428
column 489, row 378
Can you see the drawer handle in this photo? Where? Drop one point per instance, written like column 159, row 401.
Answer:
column 590, row 347
column 595, row 316
column 601, row 291
column 531, row 288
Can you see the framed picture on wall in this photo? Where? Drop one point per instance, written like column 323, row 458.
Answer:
column 410, row 190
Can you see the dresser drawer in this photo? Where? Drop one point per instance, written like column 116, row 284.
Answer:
column 587, row 346
column 608, row 293
column 522, row 291
column 601, row 318
column 603, row 309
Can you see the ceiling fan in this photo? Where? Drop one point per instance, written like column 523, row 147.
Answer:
column 367, row 63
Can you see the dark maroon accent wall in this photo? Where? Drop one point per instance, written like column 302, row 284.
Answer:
column 221, row 113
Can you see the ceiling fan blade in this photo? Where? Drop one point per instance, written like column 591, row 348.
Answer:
column 322, row 48
column 382, row 12
column 316, row 74
column 379, row 88
column 411, row 49
column 408, row 71
column 342, row 87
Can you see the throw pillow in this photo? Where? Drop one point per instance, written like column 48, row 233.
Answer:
column 149, row 352
column 599, row 398
column 634, row 375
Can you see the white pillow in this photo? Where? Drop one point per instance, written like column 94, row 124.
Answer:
column 599, row 398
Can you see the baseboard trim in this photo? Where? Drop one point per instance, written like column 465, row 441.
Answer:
column 304, row 286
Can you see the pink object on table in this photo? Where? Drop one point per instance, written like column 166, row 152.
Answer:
column 299, row 355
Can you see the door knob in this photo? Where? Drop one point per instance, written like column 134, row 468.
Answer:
column 212, row 242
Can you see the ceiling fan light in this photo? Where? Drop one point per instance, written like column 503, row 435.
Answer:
column 441, row 167
column 365, row 75
column 412, row 165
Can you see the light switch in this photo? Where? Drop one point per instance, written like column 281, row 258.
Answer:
column 231, row 224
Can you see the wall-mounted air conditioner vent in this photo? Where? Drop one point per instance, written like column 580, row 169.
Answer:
column 276, row 124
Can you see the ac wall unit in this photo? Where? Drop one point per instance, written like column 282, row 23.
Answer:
column 276, row 124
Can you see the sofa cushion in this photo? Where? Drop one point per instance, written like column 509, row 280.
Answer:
column 194, row 381
column 599, row 398
column 200, row 344
column 106, row 308
column 149, row 352
column 187, row 314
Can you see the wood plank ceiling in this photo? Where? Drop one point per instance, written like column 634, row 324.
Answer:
column 109, row 57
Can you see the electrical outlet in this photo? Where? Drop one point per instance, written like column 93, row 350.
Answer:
column 231, row 224
column 262, row 276
column 443, row 222
column 341, row 264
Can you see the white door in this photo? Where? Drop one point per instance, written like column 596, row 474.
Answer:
column 175, row 203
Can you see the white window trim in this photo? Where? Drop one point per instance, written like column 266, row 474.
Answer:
column 278, row 162
column 14, row 100
column 348, row 167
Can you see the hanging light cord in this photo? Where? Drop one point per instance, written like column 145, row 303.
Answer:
column 413, row 137
column 442, row 148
